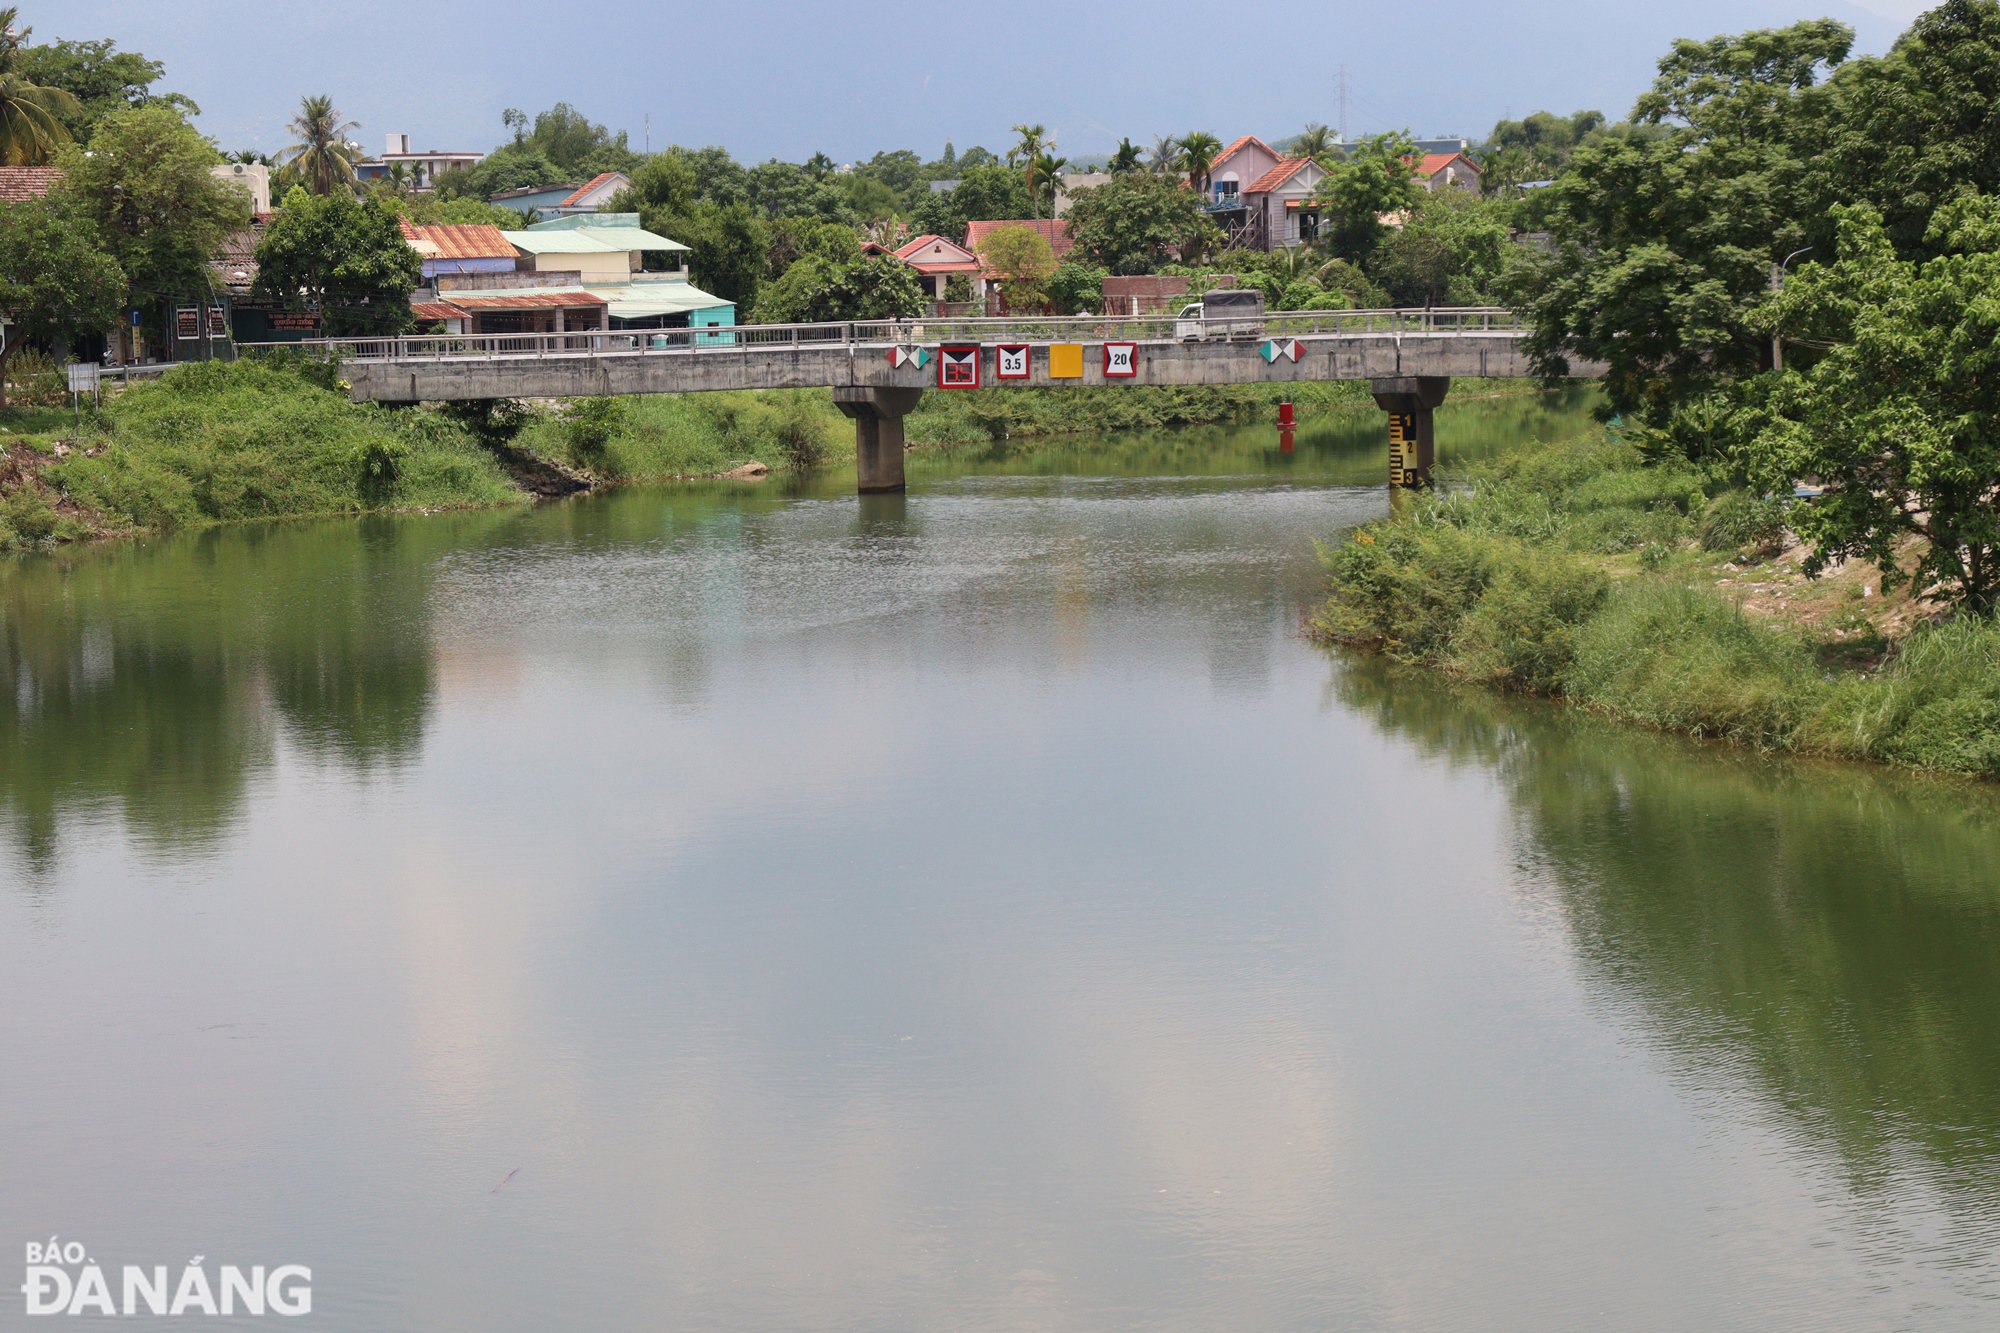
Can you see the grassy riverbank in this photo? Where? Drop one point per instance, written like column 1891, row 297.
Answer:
column 1663, row 597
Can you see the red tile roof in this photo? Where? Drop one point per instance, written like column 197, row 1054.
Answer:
column 1432, row 163
column 1287, row 168
column 586, row 188
column 18, row 184
column 1231, row 151
column 951, row 263
column 526, row 300
column 428, row 310
column 1054, row 230
column 463, row 241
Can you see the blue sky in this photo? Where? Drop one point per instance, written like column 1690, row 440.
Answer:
column 787, row 77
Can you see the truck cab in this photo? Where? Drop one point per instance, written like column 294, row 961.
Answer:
column 1233, row 313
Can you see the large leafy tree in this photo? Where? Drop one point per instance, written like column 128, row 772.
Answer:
column 1910, row 130
column 1375, row 180
column 983, row 194
column 145, row 181
column 1449, row 251
column 579, row 148
column 729, row 239
column 1664, row 245
column 1022, row 261
column 1899, row 419
column 321, row 155
column 100, row 77
column 342, row 257
column 33, row 116
column 56, row 281
column 832, row 280
column 1134, row 223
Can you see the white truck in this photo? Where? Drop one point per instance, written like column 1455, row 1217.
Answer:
column 1228, row 315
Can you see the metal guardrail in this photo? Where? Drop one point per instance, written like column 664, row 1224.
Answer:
column 891, row 333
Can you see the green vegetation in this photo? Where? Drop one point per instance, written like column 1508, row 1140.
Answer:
column 54, row 283
column 215, row 442
column 1582, row 572
column 342, row 257
column 35, row 118
column 321, row 156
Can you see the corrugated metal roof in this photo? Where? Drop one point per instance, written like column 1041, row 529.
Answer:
column 645, row 300
column 591, row 241
column 461, row 241
column 436, row 310
column 528, row 299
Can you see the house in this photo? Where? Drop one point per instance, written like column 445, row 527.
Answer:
column 420, row 169
column 1262, row 199
column 937, row 261
column 1452, row 170
column 569, row 199
column 1053, row 230
column 603, row 254
column 253, row 178
column 461, row 249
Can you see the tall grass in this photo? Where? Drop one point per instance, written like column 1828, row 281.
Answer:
column 1510, row 582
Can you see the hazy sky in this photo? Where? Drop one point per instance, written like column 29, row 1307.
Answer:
column 787, row 77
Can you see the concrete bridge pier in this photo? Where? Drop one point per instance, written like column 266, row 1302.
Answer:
column 1409, row 400
column 878, row 433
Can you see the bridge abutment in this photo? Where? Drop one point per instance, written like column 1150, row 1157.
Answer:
column 878, row 415
column 1410, row 401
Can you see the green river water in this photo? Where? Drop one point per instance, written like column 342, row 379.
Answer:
column 732, row 905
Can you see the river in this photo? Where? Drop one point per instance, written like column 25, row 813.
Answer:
column 738, row 905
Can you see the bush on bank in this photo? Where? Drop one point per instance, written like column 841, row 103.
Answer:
column 1575, row 572
column 219, row 441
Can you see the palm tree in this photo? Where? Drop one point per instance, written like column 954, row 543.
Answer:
column 323, row 155
column 1048, row 173
column 31, row 127
column 1316, row 143
column 1166, row 154
column 1198, row 150
column 1126, row 158
column 1034, row 143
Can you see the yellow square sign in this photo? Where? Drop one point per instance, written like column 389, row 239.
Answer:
column 1066, row 361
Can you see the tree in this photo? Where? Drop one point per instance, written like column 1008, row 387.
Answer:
column 1198, row 152
column 1375, row 180
column 56, row 281
column 99, row 76
column 1021, row 259
column 145, row 182
column 322, row 155
column 984, row 194
column 1165, row 157
column 832, row 280
column 1125, row 159
column 1048, row 176
column 1033, row 141
column 1449, row 251
column 1663, row 246
column 1135, row 223
column 578, row 148
column 516, row 120
column 728, row 239
column 342, row 257
column 506, row 168
column 32, row 116
column 1912, row 129
column 1076, row 289
column 1316, row 142
column 1899, row 420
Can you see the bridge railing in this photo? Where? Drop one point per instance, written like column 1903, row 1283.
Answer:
column 889, row 333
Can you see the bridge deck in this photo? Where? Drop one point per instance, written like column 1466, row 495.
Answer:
column 1334, row 344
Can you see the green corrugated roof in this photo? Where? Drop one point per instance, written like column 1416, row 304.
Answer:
column 590, row 240
column 643, row 300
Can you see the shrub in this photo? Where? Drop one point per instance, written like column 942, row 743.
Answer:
column 1737, row 519
column 1935, row 705
column 35, row 379
column 590, row 424
column 1522, row 633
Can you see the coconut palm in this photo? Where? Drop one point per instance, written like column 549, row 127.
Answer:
column 1316, row 143
column 1034, row 143
column 1198, row 150
column 31, row 127
column 1166, row 155
column 323, row 156
column 1126, row 158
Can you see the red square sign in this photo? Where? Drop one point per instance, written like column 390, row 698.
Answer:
column 1012, row 361
column 1121, row 360
column 958, row 366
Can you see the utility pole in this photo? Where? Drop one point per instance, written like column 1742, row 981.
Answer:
column 649, row 134
column 1343, row 104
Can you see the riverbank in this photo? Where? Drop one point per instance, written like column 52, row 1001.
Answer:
column 217, row 443
column 1663, row 597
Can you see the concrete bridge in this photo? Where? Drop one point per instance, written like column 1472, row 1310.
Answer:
column 878, row 370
